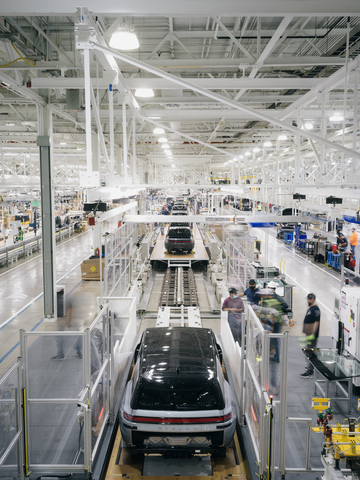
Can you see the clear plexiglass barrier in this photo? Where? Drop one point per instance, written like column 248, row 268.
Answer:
column 53, row 414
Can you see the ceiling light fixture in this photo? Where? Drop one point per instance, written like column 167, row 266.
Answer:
column 168, row 152
column 241, row 157
column 267, row 144
column 163, row 140
column 247, row 153
column 282, row 136
column 62, row 143
column 10, row 124
column 79, row 148
column 155, row 118
column 124, row 38
column 336, row 118
column 256, row 150
column 165, row 146
column 308, row 126
column 144, row 92
column 158, row 131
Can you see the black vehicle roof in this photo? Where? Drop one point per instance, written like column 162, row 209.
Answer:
column 183, row 350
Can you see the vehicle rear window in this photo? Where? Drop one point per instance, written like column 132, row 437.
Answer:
column 180, row 224
column 179, row 233
column 178, row 397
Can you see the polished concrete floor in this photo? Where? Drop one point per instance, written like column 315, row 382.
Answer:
column 21, row 287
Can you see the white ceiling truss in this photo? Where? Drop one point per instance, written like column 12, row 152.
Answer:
column 224, row 84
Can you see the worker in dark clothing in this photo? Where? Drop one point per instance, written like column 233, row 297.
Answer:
column 311, row 329
column 251, row 293
column 343, row 243
column 234, row 306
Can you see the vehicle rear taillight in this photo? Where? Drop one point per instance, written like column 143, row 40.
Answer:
column 127, row 416
column 178, row 421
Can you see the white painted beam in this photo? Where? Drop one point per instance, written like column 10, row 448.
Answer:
column 163, row 84
column 200, row 8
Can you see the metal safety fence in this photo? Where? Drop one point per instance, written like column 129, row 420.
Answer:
column 259, row 376
column 56, row 401
column 238, row 252
column 118, row 265
column 11, row 445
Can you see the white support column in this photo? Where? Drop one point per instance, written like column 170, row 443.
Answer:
column 355, row 121
column 88, row 109
column 95, row 152
column 2, row 165
column 98, row 125
column 44, row 142
column 111, row 127
column 134, row 150
column 323, row 134
column 297, row 159
column 125, row 149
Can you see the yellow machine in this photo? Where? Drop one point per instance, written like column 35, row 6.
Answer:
column 341, row 441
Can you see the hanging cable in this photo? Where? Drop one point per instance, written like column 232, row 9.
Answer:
column 27, row 60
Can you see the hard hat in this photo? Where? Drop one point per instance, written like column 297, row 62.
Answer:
column 272, row 284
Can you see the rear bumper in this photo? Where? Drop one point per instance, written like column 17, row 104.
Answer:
column 200, row 441
column 179, row 246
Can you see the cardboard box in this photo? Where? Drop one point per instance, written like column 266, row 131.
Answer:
column 90, row 269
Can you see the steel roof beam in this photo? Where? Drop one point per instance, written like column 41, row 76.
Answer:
column 235, row 105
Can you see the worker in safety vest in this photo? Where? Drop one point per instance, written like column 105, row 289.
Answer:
column 20, row 235
column 259, row 207
column 271, row 316
column 353, row 241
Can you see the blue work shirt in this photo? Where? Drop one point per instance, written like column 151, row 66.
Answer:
column 252, row 295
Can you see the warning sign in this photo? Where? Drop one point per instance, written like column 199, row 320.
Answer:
column 93, row 269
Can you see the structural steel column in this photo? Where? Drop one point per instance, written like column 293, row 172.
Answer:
column 88, row 109
column 355, row 122
column 47, row 212
column 111, row 127
column 134, row 150
column 125, row 148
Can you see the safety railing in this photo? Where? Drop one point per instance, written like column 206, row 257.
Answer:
column 56, row 401
column 259, row 378
column 239, row 270
column 11, row 440
column 11, row 253
column 118, row 265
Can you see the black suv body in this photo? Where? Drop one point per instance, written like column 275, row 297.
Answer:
column 178, row 399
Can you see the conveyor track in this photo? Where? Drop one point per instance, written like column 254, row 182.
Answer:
column 179, row 288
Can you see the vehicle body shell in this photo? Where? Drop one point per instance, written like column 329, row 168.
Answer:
column 178, row 399
column 179, row 240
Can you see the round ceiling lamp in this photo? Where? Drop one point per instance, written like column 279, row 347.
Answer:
column 124, row 38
